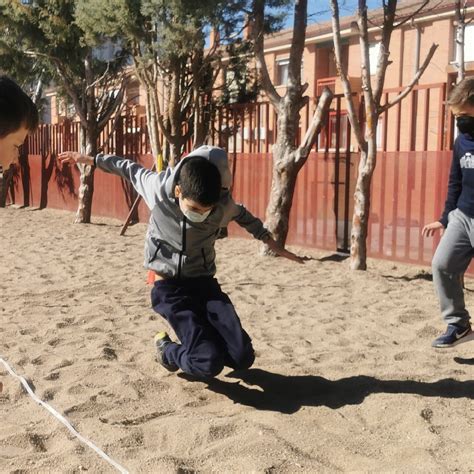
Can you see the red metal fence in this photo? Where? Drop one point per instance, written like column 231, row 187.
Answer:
column 408, row 189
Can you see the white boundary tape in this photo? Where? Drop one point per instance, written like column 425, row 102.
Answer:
column 63, row 420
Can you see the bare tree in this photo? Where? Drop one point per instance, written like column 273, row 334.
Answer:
column 167, row 42
column 288, row 158
column 95, row 101
column 47, row 32
column 461, row 23
column 373, row 108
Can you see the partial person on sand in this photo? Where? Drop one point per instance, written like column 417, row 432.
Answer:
column 456, row 248
column 189, row 205
column 18, row 116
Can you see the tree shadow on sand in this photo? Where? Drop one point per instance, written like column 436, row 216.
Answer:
column 464, row 361
column 287, row 394
column 422, row 275
column 335, row 257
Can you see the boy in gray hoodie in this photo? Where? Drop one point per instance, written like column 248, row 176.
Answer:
column 189, row 205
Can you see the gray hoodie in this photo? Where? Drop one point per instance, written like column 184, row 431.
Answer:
column 176, row 247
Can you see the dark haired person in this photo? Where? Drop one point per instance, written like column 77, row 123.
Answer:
column 18, row 116
column 456, row 248
column 189, row 205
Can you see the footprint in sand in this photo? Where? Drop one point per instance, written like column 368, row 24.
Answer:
column 52, row 376
column 221, row 432
column 427, row 415
column 107, row 309
column 413, row 316
column 108, row 353
column 62, row 364
column 196, row 404
column 358, row 357
column 25, row 331
column 427, row 332
column 133, row 440
column 65, row 323
column 134, row 421
column 37, row 361
column 49, row 394
column 402, row 356
column 54, row 342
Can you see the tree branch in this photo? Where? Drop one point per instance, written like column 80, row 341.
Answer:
column 257, row 31
column 297, row 44
column 382, row 61
column 353, row 117
column 316, row 124
column 113, row 106
column 412, row 84
column 101, row 78
column 413, row 15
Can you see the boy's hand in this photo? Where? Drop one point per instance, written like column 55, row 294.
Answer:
column 272, row 245
column 74, row 157
column 430, row 229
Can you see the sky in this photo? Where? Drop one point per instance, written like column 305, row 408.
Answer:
column 320, row 10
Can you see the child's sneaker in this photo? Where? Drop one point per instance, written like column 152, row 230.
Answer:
column 161, row 341
column 453, row 336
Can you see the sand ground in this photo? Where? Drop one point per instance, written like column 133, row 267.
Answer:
column 344, row 380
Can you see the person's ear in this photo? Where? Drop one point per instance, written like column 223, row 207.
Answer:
column 177, row 191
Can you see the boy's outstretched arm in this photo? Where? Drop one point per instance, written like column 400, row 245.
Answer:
column 255, row 226
column 74, row 157
column 282, row 252
column 145, row 182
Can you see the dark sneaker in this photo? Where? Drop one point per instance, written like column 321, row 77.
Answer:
column 161, row 341
column 453, row 336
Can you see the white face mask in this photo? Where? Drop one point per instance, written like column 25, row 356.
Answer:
column 194, row 216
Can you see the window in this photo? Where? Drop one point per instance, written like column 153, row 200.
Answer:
column 468, row 44
column 374, row 51
column 46, row 110
column 64, row 108
column 282, row 72
column 282, row 67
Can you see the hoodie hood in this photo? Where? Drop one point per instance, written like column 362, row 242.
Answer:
column 217, row 156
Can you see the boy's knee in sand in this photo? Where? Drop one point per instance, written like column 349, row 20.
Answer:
column 244, row 360
column 206, row 362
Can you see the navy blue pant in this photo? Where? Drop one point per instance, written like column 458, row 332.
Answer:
column 205, row 321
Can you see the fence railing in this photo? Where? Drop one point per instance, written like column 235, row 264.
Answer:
column 408, row 188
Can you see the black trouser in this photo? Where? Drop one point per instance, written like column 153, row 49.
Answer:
column 205, row 321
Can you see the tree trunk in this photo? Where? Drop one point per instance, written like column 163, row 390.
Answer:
column 202, row 97
column 360, row 218
column 86, row 180
column 284, row 177
column 201, row 121
column 285, row 170
column 289, row 159
column 152, row 121
column 5, row 180
column 174, row 115
column 460, row 29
